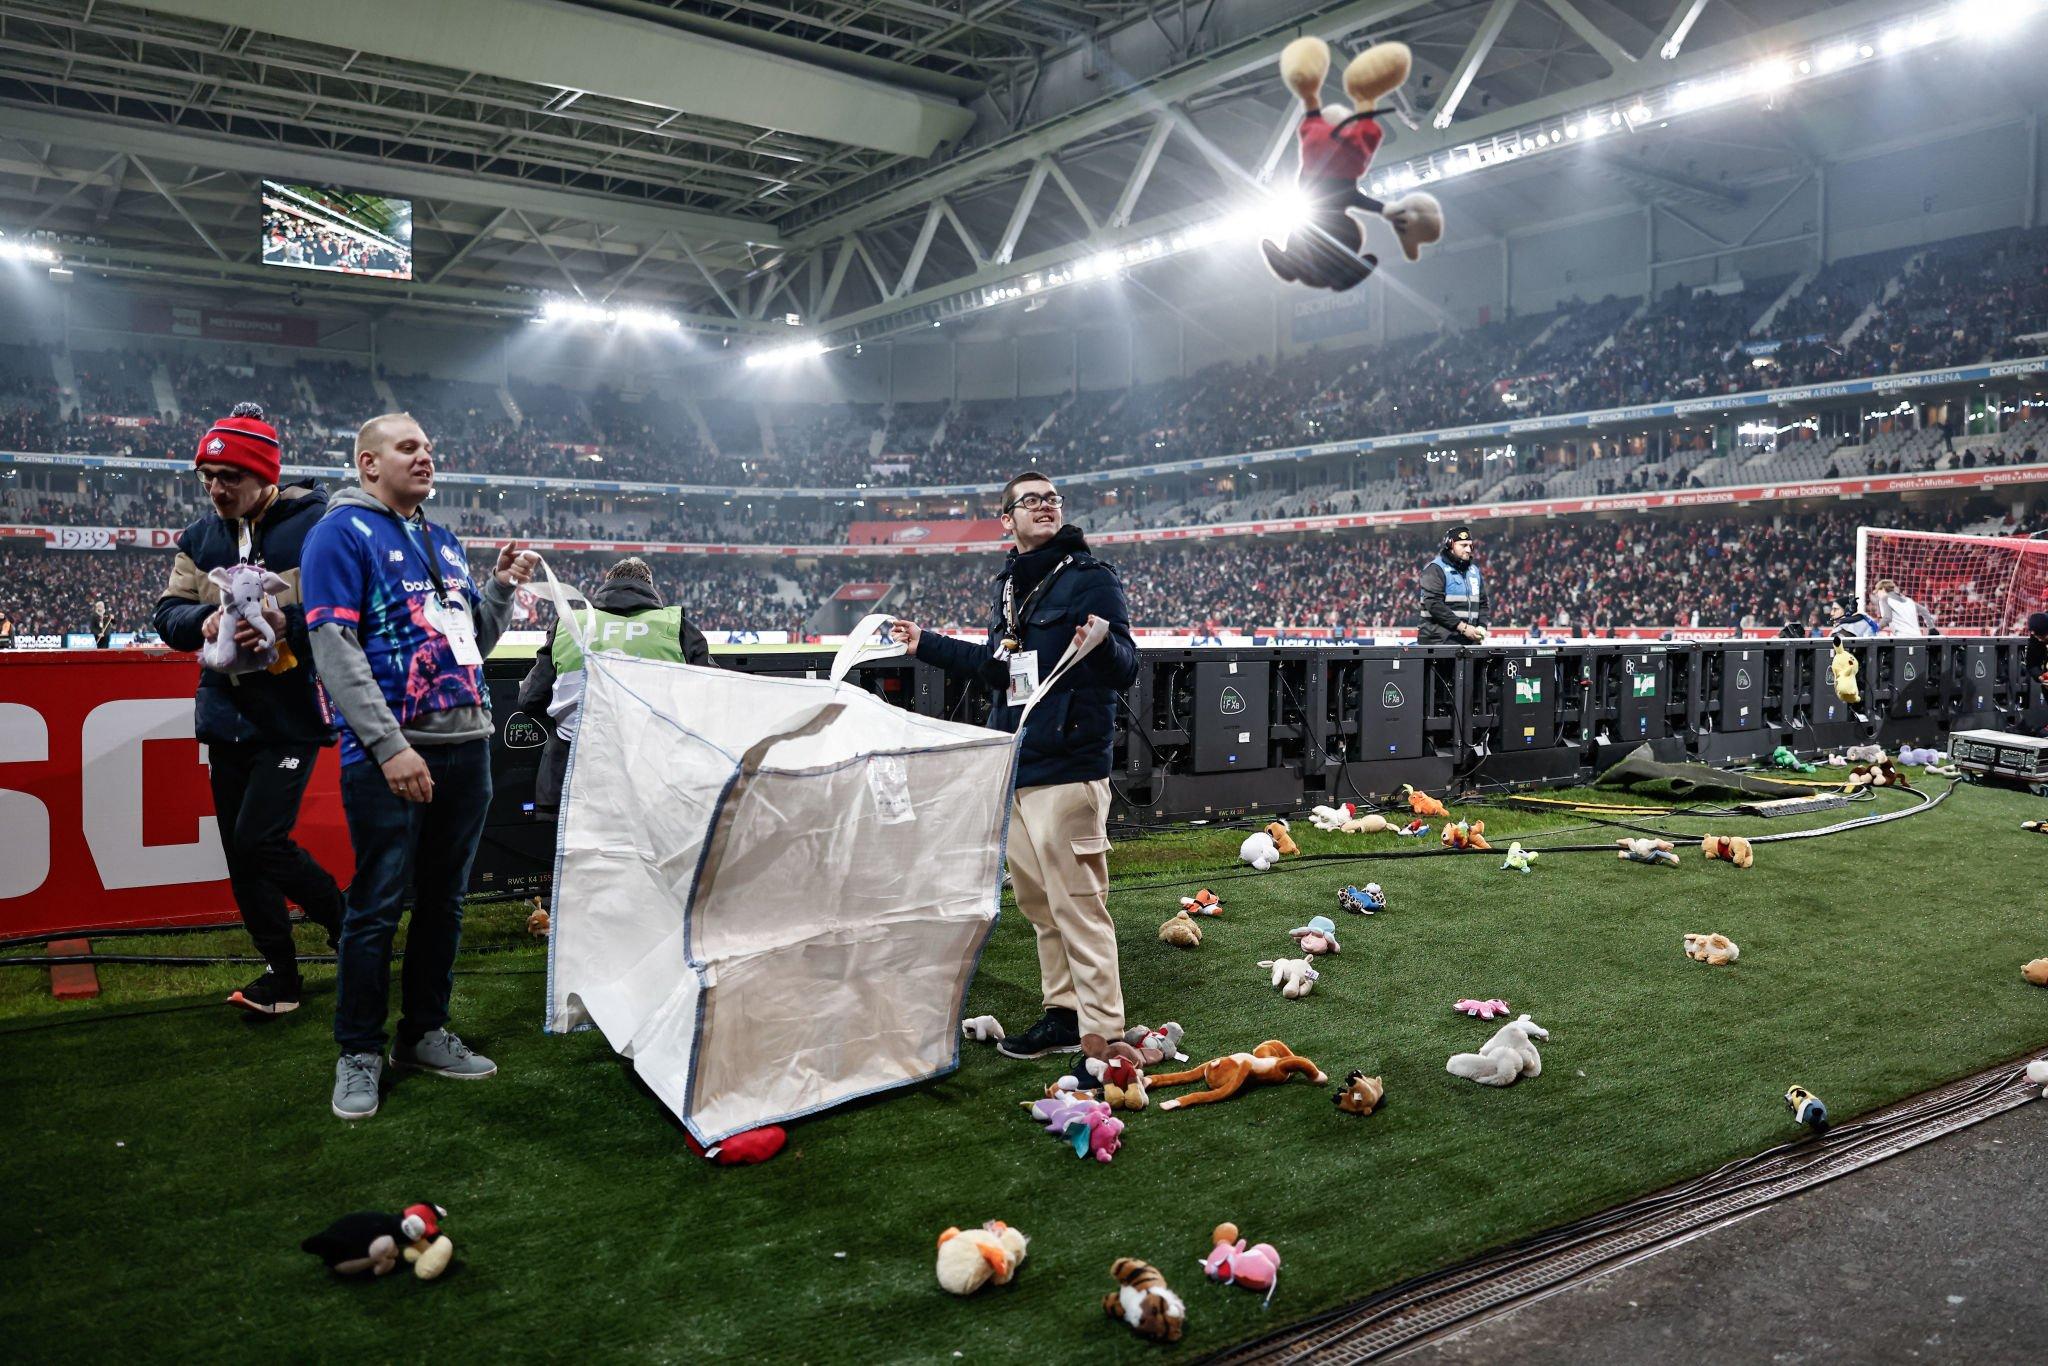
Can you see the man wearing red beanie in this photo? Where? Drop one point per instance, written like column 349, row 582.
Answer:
column 263, row 732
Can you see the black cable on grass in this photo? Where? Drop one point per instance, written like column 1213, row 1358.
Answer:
column 212, row 959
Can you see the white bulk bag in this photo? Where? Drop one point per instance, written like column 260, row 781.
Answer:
column 771, row 893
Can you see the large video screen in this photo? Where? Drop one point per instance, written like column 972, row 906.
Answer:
column 309, row 228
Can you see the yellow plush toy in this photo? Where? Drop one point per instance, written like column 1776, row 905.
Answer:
column 1843, row 666
column 1181, row 931
column 969, row 1259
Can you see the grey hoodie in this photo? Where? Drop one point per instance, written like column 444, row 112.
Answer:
column 352, row 687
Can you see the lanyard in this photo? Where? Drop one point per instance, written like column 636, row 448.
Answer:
column 426, row 529
column 1011, row 639
column 246, row 538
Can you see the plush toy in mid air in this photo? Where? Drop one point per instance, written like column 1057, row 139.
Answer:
column 1319, row 936
column 1647, row 851
column 1336, row 148
column 1509, row 1055
column 1256, row 1268
column 1519, row 858
column 1714, row 949
column 1362, row 900
column 1204, row 902
column 1181, row 931
column 1464, row 835
column 1360, row 1094
column 1842, row 665
column 1731, row 848
column 245, row 590
column 1143, row 1301
column 1421, row 803
column 1259, row 850
column 1783, row 757
column 1295, row 977
column 372, row 1243
column 971, row 1258
column 1271, row 1061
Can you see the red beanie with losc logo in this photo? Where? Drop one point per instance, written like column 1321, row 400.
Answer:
column 245, row 441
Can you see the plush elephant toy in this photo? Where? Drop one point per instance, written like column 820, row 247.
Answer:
column 243, row 590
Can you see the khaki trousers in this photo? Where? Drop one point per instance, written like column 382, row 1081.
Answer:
column 1059, row 868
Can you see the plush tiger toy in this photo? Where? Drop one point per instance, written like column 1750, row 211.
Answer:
column 1143, row 1301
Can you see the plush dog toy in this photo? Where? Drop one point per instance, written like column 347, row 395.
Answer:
column 1336, row 148
column 1647, row 851
column 1204, row 902
column 1165, row 1040
column 1182, row 931
column 1362, row 900
column 373, row 1243
column 1509, row 1055
column 244, row 590
column 1294, row 976
column 1256, row 1268
column 1317, row 937
column 1730, row 848
column 1842, row 665
column 1421, row 803
column 1259, row 850
column 1271, row 1061
column 2036, row 972
column 1413, row 829
column 1717, row 949
column 1807, row 1108
column 1484, row 1010
column 1281, row 839
column 1783, row 757
column 982, row 1029
column 971, row 1259
column 1143, row 1301
column 1519, row 858
column 1360, row 1094
column 1465, row 835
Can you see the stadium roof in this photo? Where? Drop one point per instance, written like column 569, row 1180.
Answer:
column 859, row 163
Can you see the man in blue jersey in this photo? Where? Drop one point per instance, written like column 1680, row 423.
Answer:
column 399, row 634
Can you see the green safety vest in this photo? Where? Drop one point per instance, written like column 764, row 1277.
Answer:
column 653, row 634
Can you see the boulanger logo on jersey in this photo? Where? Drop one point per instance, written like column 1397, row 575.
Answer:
column 1231, row 703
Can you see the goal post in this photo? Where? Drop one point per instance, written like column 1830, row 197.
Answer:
column 1969, row 584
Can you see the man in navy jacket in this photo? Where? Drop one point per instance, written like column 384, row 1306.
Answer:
column 263, row 732
column 1049, row 592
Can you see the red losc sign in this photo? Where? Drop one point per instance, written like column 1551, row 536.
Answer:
column 106, row 816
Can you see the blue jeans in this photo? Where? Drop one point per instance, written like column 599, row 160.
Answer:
column 426, row 847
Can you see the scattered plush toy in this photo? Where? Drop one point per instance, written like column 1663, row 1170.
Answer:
column 1371, row 823
column 244, row 591
column 1921, row 758
column 1421, row 803
column 371, row 1243
column 1519, row 858
column 2037, row 1072
column 1730, row 848
column 748, row 1148
column 1348, row 820
column 1866, row 754
column 1256, row 1268
column 537, row 924
column 1143, row 1301
column 1281, row 839
column 1182, row 931
column 1360, row 1094
column 1415, row 829
column 1881, row 774
column 1842, row 665
column 1271, row 1061
column 1295, row 977
column 1259, row 850
column 1204, row 902
column 2035, row 827
column 1716, row 949
column 1165, row 1039
column 1465, row 835
column 1484, row 1010
column 1647, row 851
column 1943, row 771
column 2036, row 972
column 1784, row 758
column 1327, row 818
column 971, row 1258
column 1509, row 1055
column 982, row 1029
column 1362, row 900
column 1097, row 1049
column 1116, row 1083
column 1838, row 761
column 1087, row 1125
column 1807, row 1108
column 1317, row 937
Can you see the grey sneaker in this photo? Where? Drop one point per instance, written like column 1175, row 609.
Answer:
column 440, row 1052
column 355, row 1084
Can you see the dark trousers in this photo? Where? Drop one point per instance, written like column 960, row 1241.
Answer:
column 426, row 847
column 256, row 792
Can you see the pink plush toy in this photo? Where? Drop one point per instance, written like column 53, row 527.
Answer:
column 1087, row 1124
column 1485, row 1010
column 1256, row 1268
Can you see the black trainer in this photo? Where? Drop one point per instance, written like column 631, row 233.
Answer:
column 267, row 995
column 1057, row 1031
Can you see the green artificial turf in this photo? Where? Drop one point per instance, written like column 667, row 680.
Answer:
column 163, row 1156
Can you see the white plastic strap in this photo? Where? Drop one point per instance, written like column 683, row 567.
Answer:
column 852, row 652
column 580, row 628
column 1075, row 653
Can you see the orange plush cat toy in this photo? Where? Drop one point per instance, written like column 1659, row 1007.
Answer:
column 1270, row 1061
column 1421, row 803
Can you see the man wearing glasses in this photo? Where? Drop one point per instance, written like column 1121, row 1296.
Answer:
column 262, row 731
column 1048, row 594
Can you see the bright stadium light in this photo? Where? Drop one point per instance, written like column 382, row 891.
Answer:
column 783, row 355
column 631, row 316
column 19, row 249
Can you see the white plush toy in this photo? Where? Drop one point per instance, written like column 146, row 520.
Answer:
column 1294, row 976
column 1259, row 850
column 244, row 588
column 2037, row 1072
column 1331, row 817
column 982, row 1029
column 1508, row 1055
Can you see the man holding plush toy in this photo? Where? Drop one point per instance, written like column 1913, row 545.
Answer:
column 1048, row 596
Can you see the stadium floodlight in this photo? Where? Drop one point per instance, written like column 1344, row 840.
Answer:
column 783, row 355
column 633, row 316
column 20, row 249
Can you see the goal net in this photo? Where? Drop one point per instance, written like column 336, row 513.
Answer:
column 1982, row 584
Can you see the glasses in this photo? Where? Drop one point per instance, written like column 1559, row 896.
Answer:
column 1032, row 502
column 227, row 479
